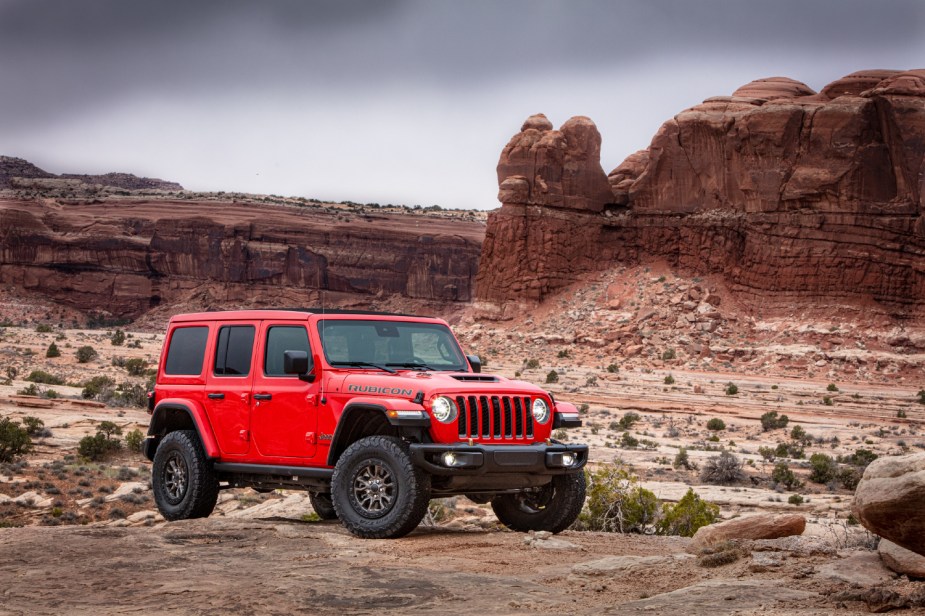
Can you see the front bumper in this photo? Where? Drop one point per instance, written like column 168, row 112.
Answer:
column 537, row 459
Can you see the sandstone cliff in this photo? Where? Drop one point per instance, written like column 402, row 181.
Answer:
column 787, row 193
column 124, row 257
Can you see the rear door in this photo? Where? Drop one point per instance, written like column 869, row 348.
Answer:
column 228, row 386
column 284, row 412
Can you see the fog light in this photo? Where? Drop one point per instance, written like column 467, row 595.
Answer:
column 568, row 459
column 449, row 459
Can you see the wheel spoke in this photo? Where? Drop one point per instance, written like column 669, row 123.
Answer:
column 374, row 489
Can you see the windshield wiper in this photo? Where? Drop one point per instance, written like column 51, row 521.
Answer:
column 358, row 364
column 412, row 364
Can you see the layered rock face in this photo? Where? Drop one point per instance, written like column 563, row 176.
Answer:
column 125, row 257
column 788, row 193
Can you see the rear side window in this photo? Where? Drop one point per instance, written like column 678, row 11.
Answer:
column 281, row 339
column 187, row 350
column 234, row 350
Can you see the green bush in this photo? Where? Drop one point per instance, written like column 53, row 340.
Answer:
column 686, row 516
column 682, row 460
column 134, row 440
column 669, row 380
column 118, row 338
column 98, row 388
column 795, row 499
column 731, row 389
column 860, row 458
column 849, row 477
column 827, row 400
column 831, row 387
column 628, row 441
column 921, row 396
column 45, row 378
column 85, row 354
column 14, row 440
column 136, row 366
column 724, row 469
column 552, row 377
column 532, row 364
column 629, row 418
column 772, row 421
column 668, row 355
column 789, row 450
column 53, row 351
column 43, row 329
column 823, row 468
column 563, row 354
column 35, row 426
column 616, row 504
column 782, row 475
column 100, row 445
column 614, row 368
column 716, row 424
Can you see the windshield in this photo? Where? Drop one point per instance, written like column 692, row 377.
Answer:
column 388, row 345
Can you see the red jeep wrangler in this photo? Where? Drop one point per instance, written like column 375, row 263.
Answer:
column 373, row 414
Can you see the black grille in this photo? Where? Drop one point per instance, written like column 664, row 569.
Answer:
column 495, row 417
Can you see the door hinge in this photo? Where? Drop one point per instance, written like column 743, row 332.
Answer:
column 310, row 438
column 244, row 434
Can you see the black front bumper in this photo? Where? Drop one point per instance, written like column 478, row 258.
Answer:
column 537, row 459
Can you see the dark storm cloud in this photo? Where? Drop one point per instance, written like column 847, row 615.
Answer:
column 61, row 56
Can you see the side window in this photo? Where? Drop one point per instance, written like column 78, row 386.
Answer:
column 187, row 350
column 234, row 350
column 282, row 338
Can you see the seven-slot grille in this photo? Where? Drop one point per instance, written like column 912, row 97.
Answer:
column 495, row 417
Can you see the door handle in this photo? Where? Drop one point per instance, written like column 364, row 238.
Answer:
column 216, row 396
column 263, row 396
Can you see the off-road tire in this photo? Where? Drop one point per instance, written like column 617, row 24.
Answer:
column 323, row 505
column 182, row 478
column 553, row 507
column 377, row 492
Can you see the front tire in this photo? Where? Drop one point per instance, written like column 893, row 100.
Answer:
column 553, row 507
column 182, row 478
column 376, row 490
column 323, row 505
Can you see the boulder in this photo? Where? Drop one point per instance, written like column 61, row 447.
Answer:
column 759, row 526
column 861, row 568
column 890, row 500
column 901, row 560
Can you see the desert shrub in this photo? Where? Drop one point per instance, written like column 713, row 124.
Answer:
column 130, row 394
column 669, row 380
column 682, row 460
column 629, row 418
column 98, row 388
column 831, row 387
column 849, row 477
column 686, row 516
column 823, row 468
column 772, row 421
column 768, row 453
column 552, row 377
column 860, row 458
column 118, row 338
column 532, row 364
column 731, row 389
column 564, row 353
column 668, row 355
column 628, row 441
column 723, row 469
column 921, row 396
column 134, row 440
column 35, row 426
column 43, row 329
column 105, row 441
column 86, row 353
column 716, row 424
column 725, row 553
column 617, row 504
column 614, row 368
column 29, row 390
column 53, row 351
column 789, row 450
column 45, row 378
column 901, row 414
column 827, row 400
column 14, row 440
column 795, row 499
column 782, row 475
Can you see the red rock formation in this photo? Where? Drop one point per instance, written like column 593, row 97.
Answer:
column 786, row 192
column 123, row 257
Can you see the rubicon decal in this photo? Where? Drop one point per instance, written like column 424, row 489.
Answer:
column 372, row 389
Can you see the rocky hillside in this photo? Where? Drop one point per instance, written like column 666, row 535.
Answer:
column 19, row 173
column 124, row 257
column 790, row 195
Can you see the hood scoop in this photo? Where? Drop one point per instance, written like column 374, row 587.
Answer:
column 479, row 378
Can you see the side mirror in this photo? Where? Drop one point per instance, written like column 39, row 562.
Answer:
column 296, row 362
column 475, row 362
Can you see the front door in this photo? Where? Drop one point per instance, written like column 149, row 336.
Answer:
column 284, row 410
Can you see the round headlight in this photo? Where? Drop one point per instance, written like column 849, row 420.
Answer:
column 540, row 411
column 444, row 409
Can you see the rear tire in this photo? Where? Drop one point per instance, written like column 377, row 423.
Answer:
column 376, row 490
column 323, row 505
column 182, row 478
column 553, row 507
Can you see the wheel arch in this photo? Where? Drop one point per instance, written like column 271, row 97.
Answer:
column 171, row 415
column 357, row 421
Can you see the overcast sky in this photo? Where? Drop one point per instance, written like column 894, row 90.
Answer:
column 394, row 101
